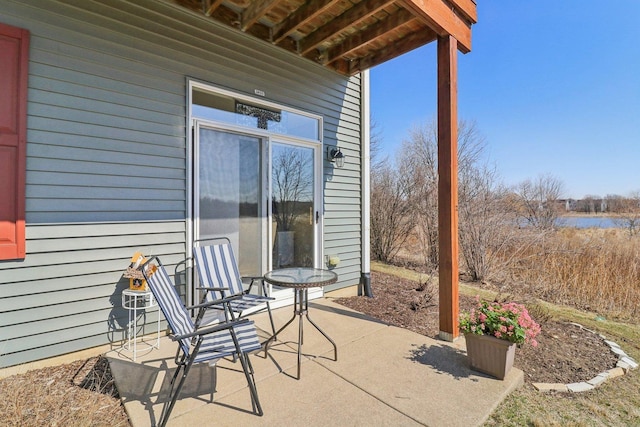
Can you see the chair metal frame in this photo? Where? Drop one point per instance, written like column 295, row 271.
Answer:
column 235, row 337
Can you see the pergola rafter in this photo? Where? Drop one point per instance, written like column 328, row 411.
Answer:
column 347, row 36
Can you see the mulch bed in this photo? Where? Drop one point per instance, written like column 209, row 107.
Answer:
column 565, row 353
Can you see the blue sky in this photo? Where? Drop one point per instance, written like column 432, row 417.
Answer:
column 554, row 87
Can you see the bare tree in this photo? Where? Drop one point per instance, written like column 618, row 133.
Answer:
column 590, row 203
column 419, row 161
column 481, row 217
column 375, row 145
column 539, row 201
column 392, row 218
column 614, row 203
column 628, row 213
column 292, row 186
column 479, row 196
column 489, row 230
column 486, row 216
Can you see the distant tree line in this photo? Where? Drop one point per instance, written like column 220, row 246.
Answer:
column 611, row 203
column 624, row 211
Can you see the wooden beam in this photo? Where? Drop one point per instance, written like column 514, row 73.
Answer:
column 371, row 33
column 406, row 44
column 210, row 6
column 467, row 8
column 343, row 67
column 443, row 19
column 350, row 17
column 448, row 186
column 256, row 10
column 299, row 17
column 229, row 17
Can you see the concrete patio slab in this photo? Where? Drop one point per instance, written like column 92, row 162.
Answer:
column 384, row 376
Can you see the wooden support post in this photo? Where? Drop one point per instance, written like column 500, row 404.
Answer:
column 448, row 186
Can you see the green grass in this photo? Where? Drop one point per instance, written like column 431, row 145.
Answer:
column 615, row 403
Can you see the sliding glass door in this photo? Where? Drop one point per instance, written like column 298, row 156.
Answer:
column 292, row 201
column 230, row 186
column 261, row 194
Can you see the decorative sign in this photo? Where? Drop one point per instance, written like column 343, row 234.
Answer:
column 262, row 114
column 134, row 274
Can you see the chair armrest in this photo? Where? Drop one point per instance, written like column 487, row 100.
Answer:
column 215, row 302
column 254, row 279
column 207, row 288
column 210, row 329
column 184, row 261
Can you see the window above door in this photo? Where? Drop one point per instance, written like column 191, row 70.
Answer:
column 253, row 113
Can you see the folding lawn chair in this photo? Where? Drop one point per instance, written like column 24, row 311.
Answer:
column 220, row 278
column 236, row 337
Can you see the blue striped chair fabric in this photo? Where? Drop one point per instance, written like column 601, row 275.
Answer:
column 236, row 338
column 215, row 345
column 217, row 268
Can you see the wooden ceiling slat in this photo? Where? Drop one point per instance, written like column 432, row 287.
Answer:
column 350, row 17
column 404, row 45
column 467, row 8
column 210, row 6
column 371, row 33
column 299, row 17
column 341, row 66
column 256, row 10
column 225, row 15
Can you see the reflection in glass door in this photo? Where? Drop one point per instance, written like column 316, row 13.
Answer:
column 229, row 194
column 292, row 204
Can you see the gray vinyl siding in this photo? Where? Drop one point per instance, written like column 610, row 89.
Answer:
column 106, row 157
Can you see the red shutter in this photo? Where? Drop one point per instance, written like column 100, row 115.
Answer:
column 14, row 59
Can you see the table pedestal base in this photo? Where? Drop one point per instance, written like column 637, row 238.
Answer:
column 301, row 308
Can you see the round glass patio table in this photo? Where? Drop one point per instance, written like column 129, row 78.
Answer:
column 300, row 279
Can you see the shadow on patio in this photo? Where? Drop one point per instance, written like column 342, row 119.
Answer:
column 384, row 376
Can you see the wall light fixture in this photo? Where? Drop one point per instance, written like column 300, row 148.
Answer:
column 336, row 156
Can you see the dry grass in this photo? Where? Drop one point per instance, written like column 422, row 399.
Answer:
column 615, row 403
column 589, row 269
column 78, row 394
column 582, row 275
column 595, row 270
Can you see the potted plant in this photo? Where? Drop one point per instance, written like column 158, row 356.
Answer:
column 492, row 330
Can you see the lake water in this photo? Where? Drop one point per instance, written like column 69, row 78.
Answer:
column 586, row 222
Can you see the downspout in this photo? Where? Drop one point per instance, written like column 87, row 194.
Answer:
column 365, row 133
column 189, row 235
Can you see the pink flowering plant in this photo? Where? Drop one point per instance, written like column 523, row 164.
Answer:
column 507, row 321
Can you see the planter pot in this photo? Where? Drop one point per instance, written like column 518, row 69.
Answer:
column 490, row 355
